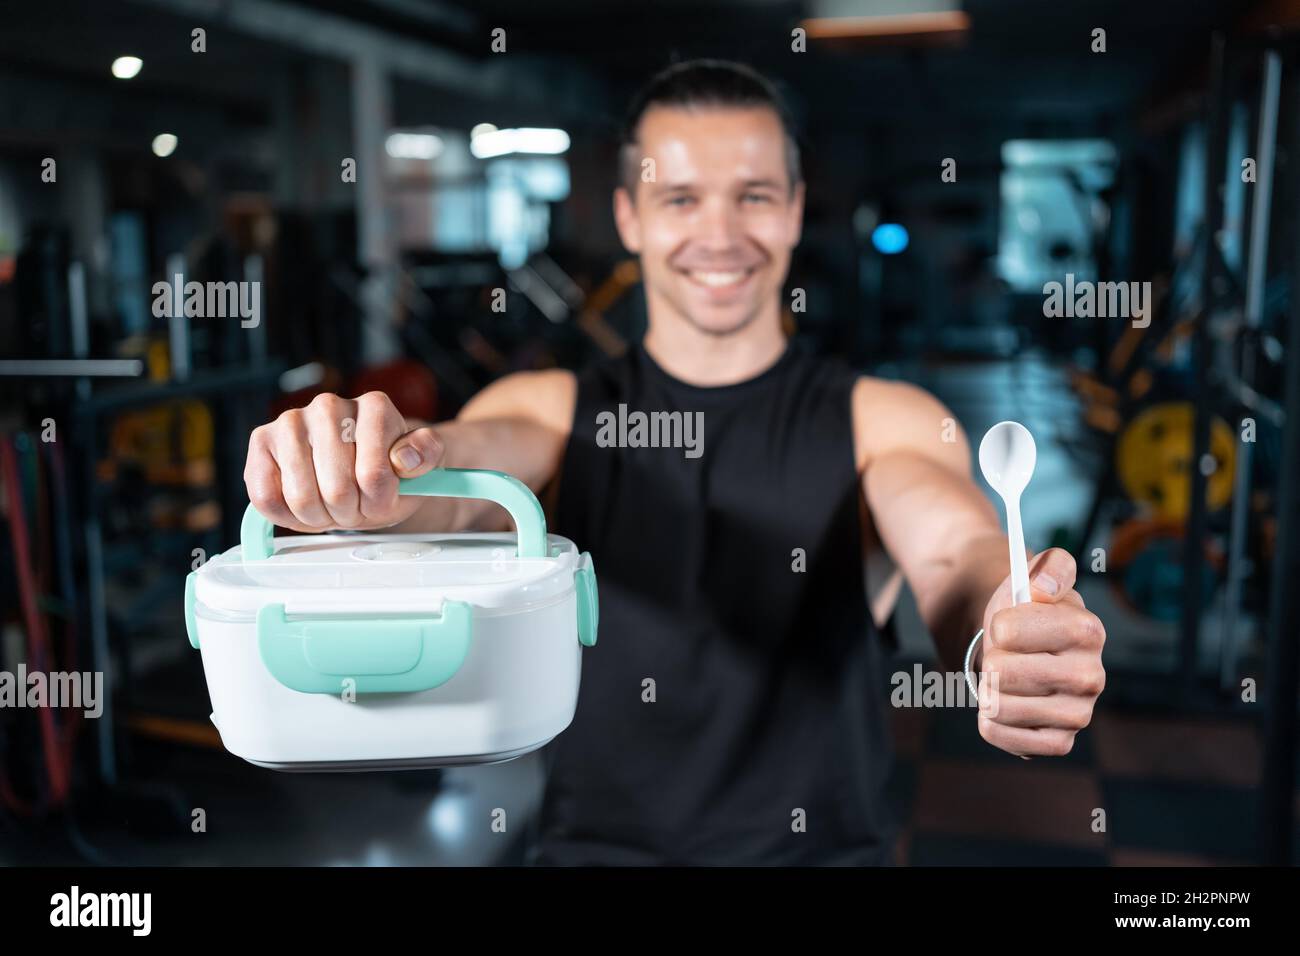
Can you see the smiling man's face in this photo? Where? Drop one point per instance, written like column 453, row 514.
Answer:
column 715, row 229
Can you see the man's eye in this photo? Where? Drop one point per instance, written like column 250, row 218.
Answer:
column 679, row 200
column 757, row 197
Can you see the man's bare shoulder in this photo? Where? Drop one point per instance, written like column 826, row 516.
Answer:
column 882, row 394
column 546, row 396
column 891, row 416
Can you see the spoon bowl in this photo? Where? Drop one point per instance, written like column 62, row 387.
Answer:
column 1007, row 459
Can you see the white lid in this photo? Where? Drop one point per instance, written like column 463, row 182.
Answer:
column 346, row 573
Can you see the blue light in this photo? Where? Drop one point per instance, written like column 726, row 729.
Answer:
column 889, row 238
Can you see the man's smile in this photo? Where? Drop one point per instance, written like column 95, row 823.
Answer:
column 719, row 282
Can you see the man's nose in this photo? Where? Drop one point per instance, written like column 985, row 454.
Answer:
column 720, row 227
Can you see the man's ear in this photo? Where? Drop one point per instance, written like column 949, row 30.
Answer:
column 627, row 220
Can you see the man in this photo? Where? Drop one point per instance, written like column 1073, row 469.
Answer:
column 734, row 709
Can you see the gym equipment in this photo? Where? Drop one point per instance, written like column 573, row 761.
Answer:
column 592, row 321
column 57, row 729
column 1253, row 313
column 329, row 380
column 1154, row 460
column 1171, row 397
column 377, row 652
column 1277, row 804
column 172, row 443
column 410, row 385
column 1146, row 571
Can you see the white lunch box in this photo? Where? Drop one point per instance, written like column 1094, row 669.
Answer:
column 386, row 651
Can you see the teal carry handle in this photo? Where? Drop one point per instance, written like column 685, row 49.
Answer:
column 256, row 532
column 379, row 654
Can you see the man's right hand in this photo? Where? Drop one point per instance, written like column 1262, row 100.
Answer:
column 336, row 463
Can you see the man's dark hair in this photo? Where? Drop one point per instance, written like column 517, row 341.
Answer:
column 698, row 84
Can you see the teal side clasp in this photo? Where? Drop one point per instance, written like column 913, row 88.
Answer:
column 191, row 600
column 584, row 583
column 316, row 655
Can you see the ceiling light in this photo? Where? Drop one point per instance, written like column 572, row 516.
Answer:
column 525, row 140
column 164, row 144
column 413, row 146
column 125, row 67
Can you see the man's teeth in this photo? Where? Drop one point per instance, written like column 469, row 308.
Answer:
column 717, row 278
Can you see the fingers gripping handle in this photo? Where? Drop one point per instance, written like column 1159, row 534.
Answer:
column 256, row 532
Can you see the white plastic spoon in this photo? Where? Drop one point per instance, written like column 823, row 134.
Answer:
column 1007, row 458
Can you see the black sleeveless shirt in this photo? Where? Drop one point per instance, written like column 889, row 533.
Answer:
column 733, row 708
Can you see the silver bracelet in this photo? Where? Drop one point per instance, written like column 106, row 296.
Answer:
column 970, row 653
column 970, row 678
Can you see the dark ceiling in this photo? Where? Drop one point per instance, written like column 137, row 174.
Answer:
column 1030, row 57
column 1027, row 60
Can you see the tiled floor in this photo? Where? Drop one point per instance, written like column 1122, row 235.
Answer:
column 1135, row 790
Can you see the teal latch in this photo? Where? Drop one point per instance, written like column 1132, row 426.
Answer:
column 191, row 599
column 316, row 655
column 584, row 584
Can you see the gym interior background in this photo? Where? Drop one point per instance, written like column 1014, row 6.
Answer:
column 959, row 156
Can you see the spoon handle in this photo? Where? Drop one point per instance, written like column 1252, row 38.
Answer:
column 1019, row 566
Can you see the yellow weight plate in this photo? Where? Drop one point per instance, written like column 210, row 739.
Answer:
column 1154, row 460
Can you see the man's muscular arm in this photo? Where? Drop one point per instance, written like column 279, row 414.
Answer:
column 943, row 532
column 938, row 527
